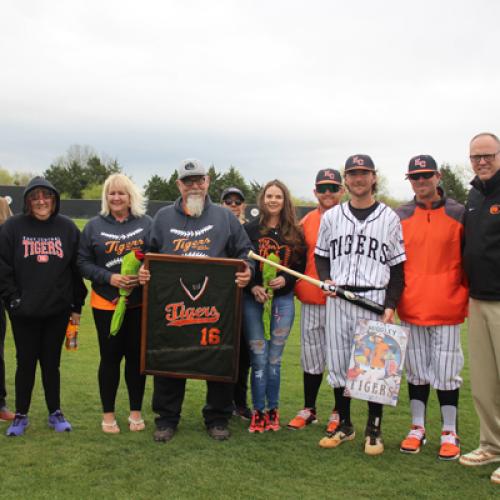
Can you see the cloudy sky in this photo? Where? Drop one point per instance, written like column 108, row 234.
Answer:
column 276, row 88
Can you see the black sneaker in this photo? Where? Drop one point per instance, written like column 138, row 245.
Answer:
column 374, row 444
column 219, row 432
column 163, row 434
column 244, row 412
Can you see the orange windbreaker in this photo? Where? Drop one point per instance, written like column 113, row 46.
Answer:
column 435, row 291
column 305, row 292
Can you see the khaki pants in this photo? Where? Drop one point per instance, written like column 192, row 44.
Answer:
column 484, row 353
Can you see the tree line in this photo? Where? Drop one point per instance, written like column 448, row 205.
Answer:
column 81, row 172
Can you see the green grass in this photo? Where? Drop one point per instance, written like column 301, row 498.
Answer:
column 88, row 464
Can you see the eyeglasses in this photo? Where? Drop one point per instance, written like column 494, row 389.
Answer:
column 228, row 201
column 190, row 181
column 487, row 157
column 40, row 194
column 323, row 188
column 421, row 175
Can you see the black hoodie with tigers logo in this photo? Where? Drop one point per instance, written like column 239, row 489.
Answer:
column 38, row 272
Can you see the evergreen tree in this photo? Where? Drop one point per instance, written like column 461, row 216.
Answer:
column 452, row 185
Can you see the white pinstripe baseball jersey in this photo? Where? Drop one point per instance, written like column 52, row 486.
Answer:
column 361, row 253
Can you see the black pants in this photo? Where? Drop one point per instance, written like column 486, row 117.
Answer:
column 168, row 396
column 3, row 328
column 241, row 387
column 126, row 343
column 38, row 339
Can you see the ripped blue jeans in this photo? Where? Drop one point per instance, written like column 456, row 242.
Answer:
column 265, row 355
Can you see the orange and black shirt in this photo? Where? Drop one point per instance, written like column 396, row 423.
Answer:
column 435, row 291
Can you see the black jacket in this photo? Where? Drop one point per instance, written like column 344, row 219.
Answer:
column 38, row 272
column 482, row 239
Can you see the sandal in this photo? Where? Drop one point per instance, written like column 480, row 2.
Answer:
column 136, row 425
column 111, row 428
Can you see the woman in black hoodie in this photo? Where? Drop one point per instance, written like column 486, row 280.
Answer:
column 42, row 290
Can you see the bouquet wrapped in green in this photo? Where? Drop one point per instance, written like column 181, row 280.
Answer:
column 268, row 274
column 130, row 266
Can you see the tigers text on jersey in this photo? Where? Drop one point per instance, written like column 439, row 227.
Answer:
column 361, row 253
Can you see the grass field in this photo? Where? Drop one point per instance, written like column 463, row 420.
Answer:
column 88, row 464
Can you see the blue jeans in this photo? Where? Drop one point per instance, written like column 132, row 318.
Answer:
column 265, row 355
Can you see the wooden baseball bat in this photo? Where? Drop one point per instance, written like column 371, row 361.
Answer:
column 341, row 292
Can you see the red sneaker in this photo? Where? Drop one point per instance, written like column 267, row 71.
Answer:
column 258, row 423
column 273, row 420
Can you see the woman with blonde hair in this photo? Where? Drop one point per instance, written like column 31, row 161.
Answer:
column 121, row 227
column 5, row 413
column 275, row 231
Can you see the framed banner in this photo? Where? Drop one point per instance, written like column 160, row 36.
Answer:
column 191, row 317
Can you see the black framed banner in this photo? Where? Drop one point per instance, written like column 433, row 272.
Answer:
column 191, row 317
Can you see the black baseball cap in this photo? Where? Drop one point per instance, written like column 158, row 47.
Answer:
column 232, row 190
column 328, row 176
column 422, row 163
column 359, row 162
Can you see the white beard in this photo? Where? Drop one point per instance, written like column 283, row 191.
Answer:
column 195, row 205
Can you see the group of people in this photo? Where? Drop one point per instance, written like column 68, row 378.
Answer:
column 432, row 261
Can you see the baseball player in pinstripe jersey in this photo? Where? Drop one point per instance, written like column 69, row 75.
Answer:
column 433, row 303
column 328, row 192
column 360, row 248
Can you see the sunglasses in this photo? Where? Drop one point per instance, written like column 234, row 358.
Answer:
column 229, row 202
column 423, row 175
column 323, row 188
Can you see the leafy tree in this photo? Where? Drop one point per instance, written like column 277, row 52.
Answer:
column 5, row 177
column 92, row 192
column 79, row 169
column 16, row 178
column 452, row 184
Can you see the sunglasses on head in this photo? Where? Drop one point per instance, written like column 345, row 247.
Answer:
column 423, row 175
column 323, row 188
column 229, row 201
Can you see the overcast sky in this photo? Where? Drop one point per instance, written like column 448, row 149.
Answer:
column 278, row 89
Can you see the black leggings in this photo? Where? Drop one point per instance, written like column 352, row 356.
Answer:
column 126, row 343
column 3, row 327
column 38, row 339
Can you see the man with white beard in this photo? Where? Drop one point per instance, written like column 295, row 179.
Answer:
column 194, row 226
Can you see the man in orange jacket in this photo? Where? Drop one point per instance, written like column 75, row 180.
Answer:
column 433, row 304
column 328, row 192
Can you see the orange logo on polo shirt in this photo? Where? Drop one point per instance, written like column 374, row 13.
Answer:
column 494, row 209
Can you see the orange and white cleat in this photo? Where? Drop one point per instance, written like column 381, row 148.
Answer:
column 414, row 440
column 304, row 418
column 333, row 423
column 450, row 446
